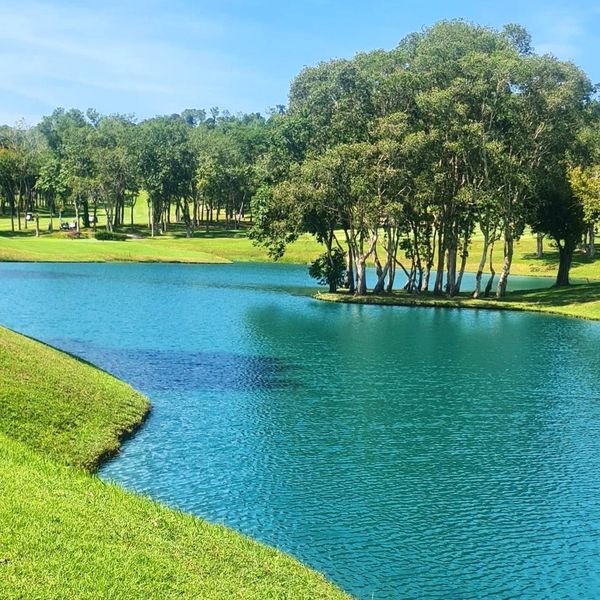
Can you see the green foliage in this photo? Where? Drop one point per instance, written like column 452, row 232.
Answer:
column 110, row 236
column 585, row 185
column 453, row 129
column 274, row 224
column 329, row 269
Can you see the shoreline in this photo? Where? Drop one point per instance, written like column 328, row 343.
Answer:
column 221, row 261
column 53, row 479
column 534, row 301
column 222, row 246
column 125, row 431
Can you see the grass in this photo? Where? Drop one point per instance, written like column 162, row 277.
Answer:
column 66, row 534
column 221, row 245
column 61, row 406
column 582, row 300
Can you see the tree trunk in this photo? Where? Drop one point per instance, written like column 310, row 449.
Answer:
column 329, row 251
column 480, row 268
column 360, row 259
column 426, row 277
column 240, row 213
column 391, row 277
column 539, row 253
column 151, row 215
column 108, row 211
column 379, row 286
column 77, row 216
column 451, row 281
column 12, row 212
column 184, row 210
column 349, row 281
column 439, row 276
column 565, row 254
column 508, row 256
column 592, row 241
column 461, row 272
column 349, row 278
column 86, row 213
column 361, row 277
column 490, row 283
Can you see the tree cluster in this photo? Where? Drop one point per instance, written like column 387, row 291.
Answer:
column 190, row 164
column 402, row 157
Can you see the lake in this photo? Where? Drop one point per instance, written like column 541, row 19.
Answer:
column 403, row 452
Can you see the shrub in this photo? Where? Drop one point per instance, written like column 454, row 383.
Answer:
column 329, row 271
column 110, row 236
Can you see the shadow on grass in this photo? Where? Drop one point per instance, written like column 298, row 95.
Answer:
column 550, row 259
column 24, row 233
column 573, row 294
column 174, row 232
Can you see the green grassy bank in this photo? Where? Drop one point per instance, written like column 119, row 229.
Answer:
column 222, row 246
column 66, row 534
column 582, row 301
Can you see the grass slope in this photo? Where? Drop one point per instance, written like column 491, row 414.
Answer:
column 61, row 406
column 66, row 534
column 582, row 301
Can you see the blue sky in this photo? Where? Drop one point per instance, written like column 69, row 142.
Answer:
column 152, row 57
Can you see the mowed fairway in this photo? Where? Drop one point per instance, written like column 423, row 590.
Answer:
column 219, row 245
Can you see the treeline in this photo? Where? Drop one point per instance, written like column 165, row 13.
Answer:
column 195, row 167
column 397, row 158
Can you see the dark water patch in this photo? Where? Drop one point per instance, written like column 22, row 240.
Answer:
column 38, row 274
column 153, row 371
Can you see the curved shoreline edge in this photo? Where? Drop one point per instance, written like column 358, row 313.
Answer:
column 125, row 429
column 581, row 301
column 56, row 516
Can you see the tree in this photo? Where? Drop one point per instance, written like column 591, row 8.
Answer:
column 116, row 180
column 167, row 168
column 557, row 212
column 329, row 269
column 585, row 186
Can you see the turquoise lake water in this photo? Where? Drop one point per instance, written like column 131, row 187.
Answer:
column 403, row 452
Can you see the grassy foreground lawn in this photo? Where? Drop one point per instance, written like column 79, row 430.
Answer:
column 66, row 534
column 581, row 300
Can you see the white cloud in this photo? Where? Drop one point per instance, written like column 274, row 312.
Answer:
column 118, row 59
column 563, row 34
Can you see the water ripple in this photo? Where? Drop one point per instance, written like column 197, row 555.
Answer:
column 406, row 453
